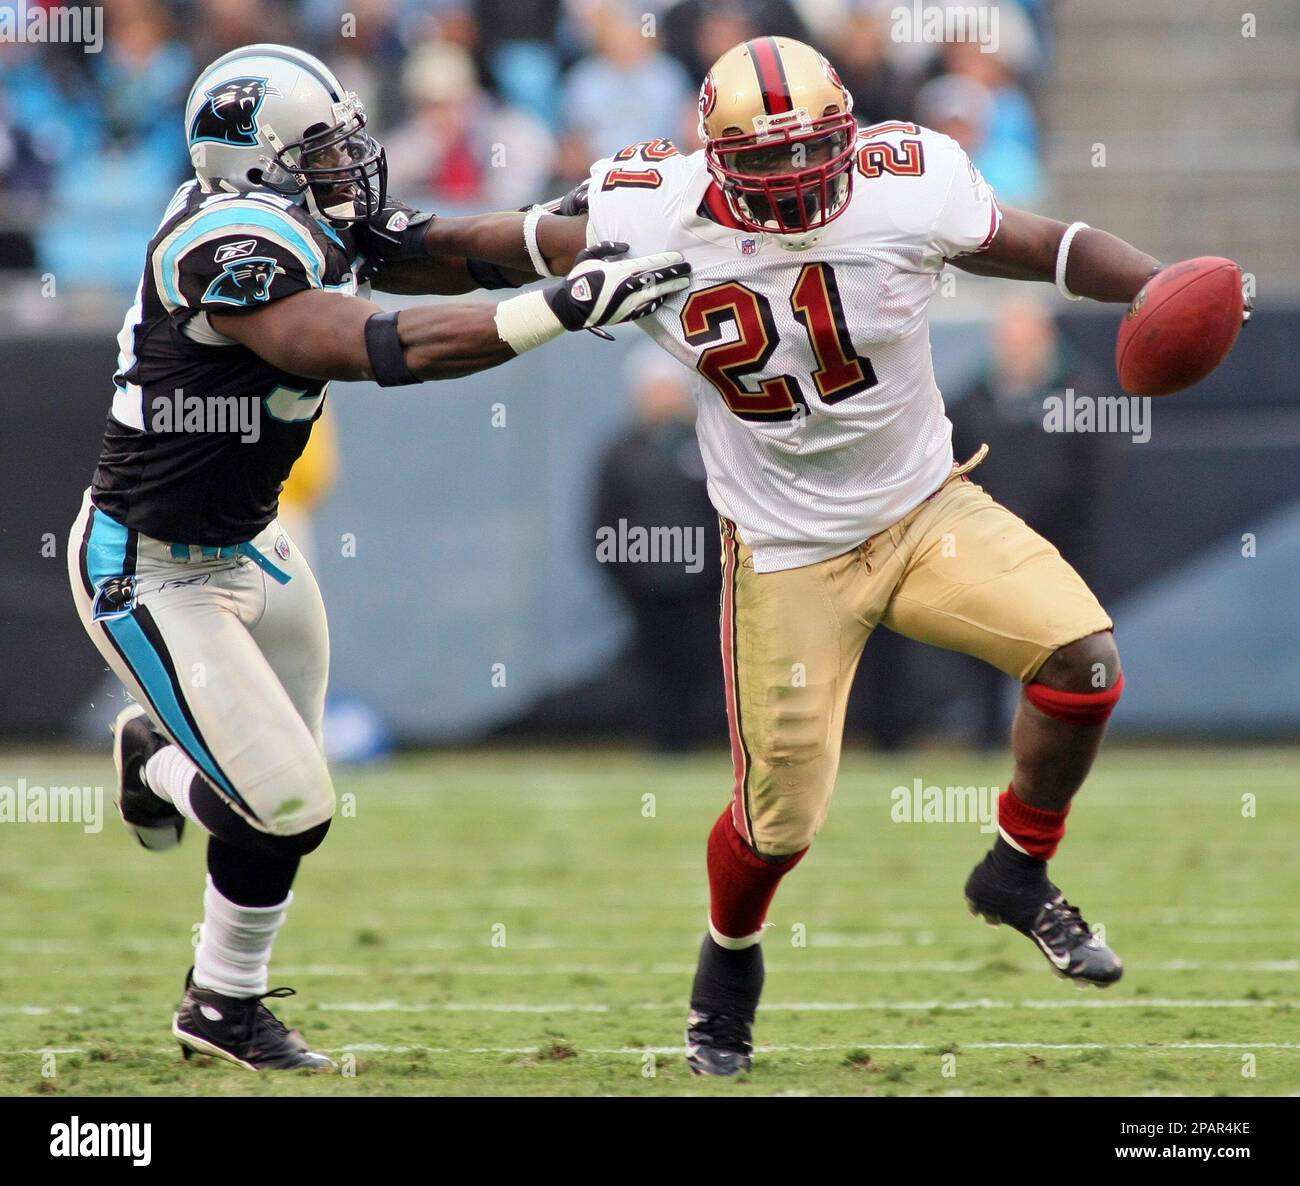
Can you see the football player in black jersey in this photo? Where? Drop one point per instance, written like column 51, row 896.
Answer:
column 197, row 599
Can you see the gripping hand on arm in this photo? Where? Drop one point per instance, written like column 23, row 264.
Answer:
column 601, row 290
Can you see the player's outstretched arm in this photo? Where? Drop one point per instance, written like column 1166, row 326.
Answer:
column 423, row 265
column 403, row 257
column 324, row 335
column 419, row 253
column 1026, row 247
column 499, row 240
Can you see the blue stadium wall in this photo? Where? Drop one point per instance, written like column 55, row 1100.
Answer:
column 473, row 594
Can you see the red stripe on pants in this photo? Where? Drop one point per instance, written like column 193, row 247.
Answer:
column 739, row 758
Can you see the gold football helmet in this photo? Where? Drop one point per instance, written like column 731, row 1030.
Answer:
column 778, row 131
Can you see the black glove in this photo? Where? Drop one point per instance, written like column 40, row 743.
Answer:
column 396, row 233
column 575, row 201
column 571, row 204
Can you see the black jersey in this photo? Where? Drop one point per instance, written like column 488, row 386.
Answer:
column 203, row 432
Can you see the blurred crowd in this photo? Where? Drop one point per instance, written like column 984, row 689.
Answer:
column 481, row 103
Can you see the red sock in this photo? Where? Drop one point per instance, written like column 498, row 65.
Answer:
column 741, row 884
column 1032, row 829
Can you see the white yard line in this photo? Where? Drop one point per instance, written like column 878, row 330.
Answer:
column 803, row 1006
column 867, row 1046
column 979, row 1003
column 796, row 967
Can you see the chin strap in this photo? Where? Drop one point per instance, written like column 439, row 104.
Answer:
column 800, row 242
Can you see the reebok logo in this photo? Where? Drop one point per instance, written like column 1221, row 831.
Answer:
column 229, row 251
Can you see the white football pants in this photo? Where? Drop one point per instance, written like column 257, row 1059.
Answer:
column 227, row 649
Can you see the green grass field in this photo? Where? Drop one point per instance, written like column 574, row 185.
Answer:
column 521, row 923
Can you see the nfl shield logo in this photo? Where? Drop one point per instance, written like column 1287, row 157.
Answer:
column 282, row 547
column 748, row 245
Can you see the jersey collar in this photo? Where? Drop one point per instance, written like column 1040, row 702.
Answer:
column 701, row 189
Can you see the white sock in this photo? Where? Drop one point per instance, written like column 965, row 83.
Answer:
column 234, row 951
column 169, row 773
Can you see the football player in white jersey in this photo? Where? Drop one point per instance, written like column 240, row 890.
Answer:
column 815, row 249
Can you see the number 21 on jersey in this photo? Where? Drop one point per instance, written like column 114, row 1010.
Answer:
column 815, row 301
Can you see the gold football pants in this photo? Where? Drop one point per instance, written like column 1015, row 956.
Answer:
column 959, row 572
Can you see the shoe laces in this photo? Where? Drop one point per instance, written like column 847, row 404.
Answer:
column 257, row 1020
column 1062, row 923
column 267, row 1019
column 727, row 1030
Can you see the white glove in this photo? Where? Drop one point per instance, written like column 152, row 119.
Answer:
column 602, row 290
column 599, row 291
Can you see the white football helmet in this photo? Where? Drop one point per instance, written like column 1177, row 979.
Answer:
column 273, row 117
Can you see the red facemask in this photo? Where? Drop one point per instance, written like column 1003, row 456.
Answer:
column 767, row 187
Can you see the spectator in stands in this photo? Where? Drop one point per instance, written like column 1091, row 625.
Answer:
column 653, row 476
column 1011, row 118
column 1037, row 474
column 133, row 155
column 964, row 109
column 362, row 42
column 222, row 25
column 42, row 98
column 698, row 32
column 1015, row 60
column 518, row 43
column 460, row 146
column 860, row 55
column 626, row 91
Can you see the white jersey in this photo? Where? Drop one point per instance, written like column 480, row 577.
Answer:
column 819, row 418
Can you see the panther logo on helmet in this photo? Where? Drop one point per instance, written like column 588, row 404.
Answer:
column 230, row 114
column 271, row 117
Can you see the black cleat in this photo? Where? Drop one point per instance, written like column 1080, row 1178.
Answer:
column 153, row 821
column 241, row 1030
column 719, row 1043
column 1039, row 910
column 719, row 1030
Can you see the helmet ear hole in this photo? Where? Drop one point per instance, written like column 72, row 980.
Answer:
column 254, row 176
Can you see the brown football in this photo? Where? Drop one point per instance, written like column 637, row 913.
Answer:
column 1180, row 326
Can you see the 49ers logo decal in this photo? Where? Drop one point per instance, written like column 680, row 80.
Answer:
column 708, row 96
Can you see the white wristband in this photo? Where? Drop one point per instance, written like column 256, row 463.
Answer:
column 525, row 322
column 531, row 219
column 1063, row 258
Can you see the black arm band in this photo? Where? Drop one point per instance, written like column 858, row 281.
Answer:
column 387, row 359
column 487, row 275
